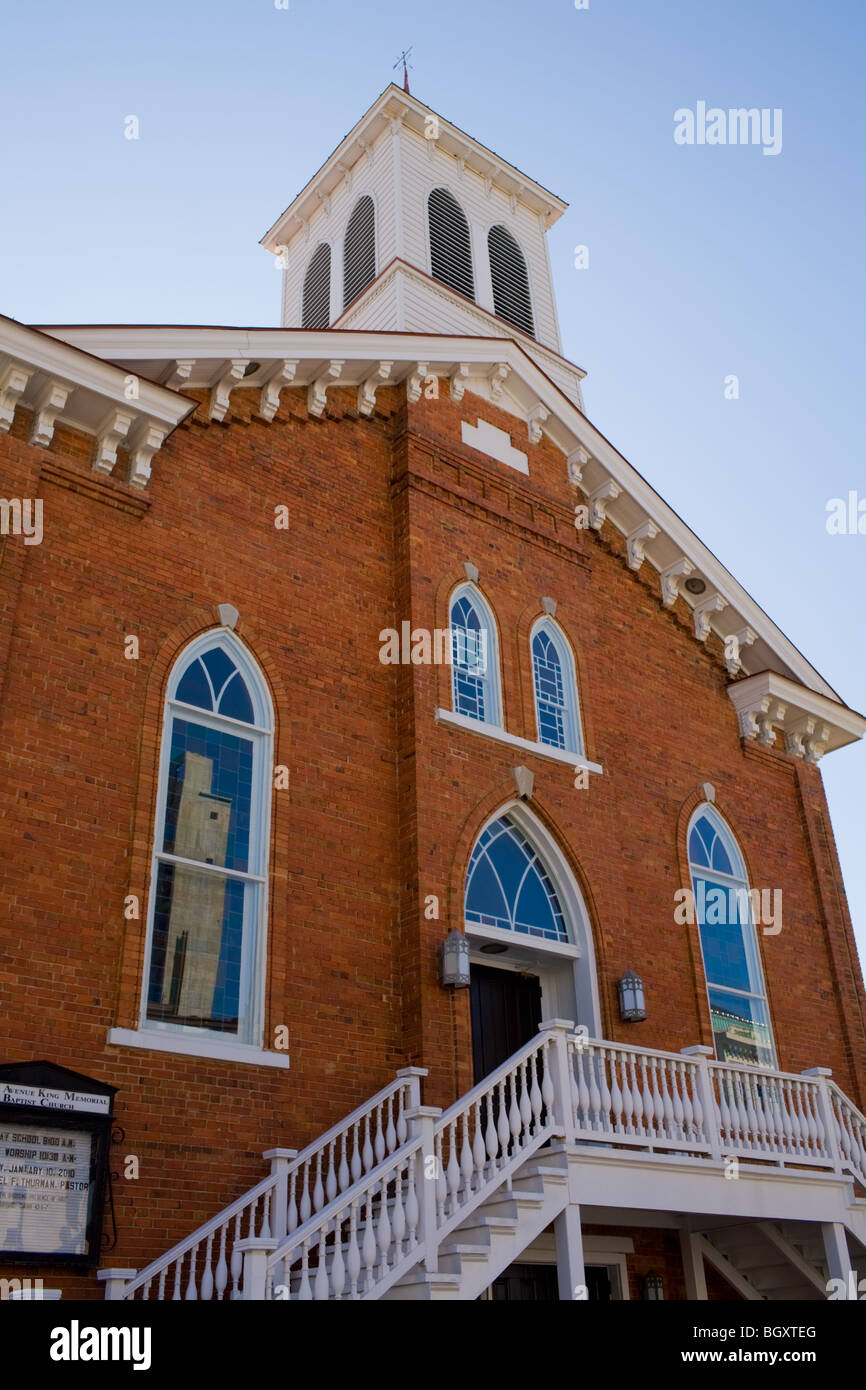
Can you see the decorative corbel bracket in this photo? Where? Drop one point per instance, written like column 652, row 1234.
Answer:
column 223, row 387
column 284, row 375
column 415, row 382
column 179, row 373
column 49, row 403
column 598, row 500
column 758, row 719
column 734, row 644
column 367, row 389
column 670, row 577
column 713, row 603
column 347, row 175
column 145, row 439
column 807, row 739
column 13, row 384
column 325, row 203
column 317, row 392
column 458, row 380
column 496, row 380
column 538, row 416
column 366, row 146
column 635, row 542
column 110, row 435
column 577, row 461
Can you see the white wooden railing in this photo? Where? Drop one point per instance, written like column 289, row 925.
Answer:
column 208, row 1264
column 376, row 1196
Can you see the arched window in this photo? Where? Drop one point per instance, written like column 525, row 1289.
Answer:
column 209, row 875
column 729, row 943
column 511, row 298
column 474, row 657
column 316, row 311
column 450, row 247
column 508, row 886
column 556, row 708
column 359, row 250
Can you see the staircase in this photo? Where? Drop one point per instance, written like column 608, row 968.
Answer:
column 400, row 1201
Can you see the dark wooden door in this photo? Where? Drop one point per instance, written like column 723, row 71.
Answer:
column 526, row 1284
column 506, row 1012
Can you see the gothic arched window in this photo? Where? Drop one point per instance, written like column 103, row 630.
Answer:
column 209, row 877
column 316, row 311
column 359, row 250
column 450, row 246
column 511, row 298
column 474, row 657
column 508, row 886
column 725, row 915
column 556, row 707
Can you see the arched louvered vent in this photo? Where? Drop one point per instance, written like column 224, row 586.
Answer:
column 317, row 289
column 359, row 251
column 510, row 281
column 450, row 249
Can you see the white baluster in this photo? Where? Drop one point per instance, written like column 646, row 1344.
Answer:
column 384, row 1230
column 667, row 1101
column 222, row 1269
column 390, row 1132
column 237, row 1260
column 398, row 1219
column 367, row 1151
column 441, row 1180
column 357, row 1165
column 306, row 1207
column 178, row 1265
column 658, row 1102
column 647, row 1096
column 453, row 1169
column 318, row 1188
column 207, row 1272
column 379, row 1145
column 353, row 1253
column 160, row 1288
column 413, row 1211
column 548, row 1094
column 615, row 1094
column 525, row 1105
column 265, row 1231
column 467, row 1162
column 637, row 1098
column 292, row 1209
column 402, row 1126
column 688, row 1110
column 479, row 1151
column 305, row 1290
column 503, row 1128
column 331, row 1180
column 321, row 1288
column 343, row 1170
column 514, row 1121
column 368, row 1245
column 599, row 1096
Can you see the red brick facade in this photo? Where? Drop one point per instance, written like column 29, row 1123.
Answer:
column 384, row 803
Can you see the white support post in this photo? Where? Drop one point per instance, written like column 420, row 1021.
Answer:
column 828, row 1118
column 701, row 1055
column 421, row 1120
column 255, row 1251
column 413, row 1075
column 115, row 1281
column 561, row 1074
column 570, row 1272
column 693, row 1268
column 838, row 1256
column 279, row 1160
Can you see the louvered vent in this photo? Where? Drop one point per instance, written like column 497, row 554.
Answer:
column 450, row 249
column 317, row 289
column 510, row 281
column 359, row 252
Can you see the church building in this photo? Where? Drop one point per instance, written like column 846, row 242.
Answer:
column 418, row 877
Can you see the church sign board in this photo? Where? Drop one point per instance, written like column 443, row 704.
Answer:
column 55, row 1127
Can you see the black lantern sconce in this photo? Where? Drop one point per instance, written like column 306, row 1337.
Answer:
column 454, row 961
column 654, row 1288
column 632, row 1005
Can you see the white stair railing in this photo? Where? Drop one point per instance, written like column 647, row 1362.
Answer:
column 637, row 1097
column 208, row 1264
column 771, row 1115
column 396, row 1217
column 850, row 1127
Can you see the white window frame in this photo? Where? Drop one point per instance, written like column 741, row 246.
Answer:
column 749, row 931
column 571, row 713
column 491, row 680
column 254, row 943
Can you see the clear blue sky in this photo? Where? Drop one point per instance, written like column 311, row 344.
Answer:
column 704, row 261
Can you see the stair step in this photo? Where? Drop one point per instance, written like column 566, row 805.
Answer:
column 420, row 1285
column 495, row 1225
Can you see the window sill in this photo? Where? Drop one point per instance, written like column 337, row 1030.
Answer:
column 539, row 750
column 197, row 1047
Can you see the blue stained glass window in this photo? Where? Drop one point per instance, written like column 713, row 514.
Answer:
column 473, row 662
column 213, row 682
column 507, row 885
column 549, row 691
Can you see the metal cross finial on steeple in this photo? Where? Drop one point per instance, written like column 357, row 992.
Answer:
column 404, row 59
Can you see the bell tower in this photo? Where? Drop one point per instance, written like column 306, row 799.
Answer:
column 413, row 226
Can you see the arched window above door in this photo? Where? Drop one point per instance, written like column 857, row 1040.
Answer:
column 509, row 887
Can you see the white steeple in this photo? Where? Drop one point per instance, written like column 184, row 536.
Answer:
column 413, row 226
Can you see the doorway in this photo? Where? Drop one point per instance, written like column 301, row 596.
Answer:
column 506, row 1012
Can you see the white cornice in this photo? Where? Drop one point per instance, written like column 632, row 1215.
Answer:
column 395, row 105
column 621, row 496
column 810, row 723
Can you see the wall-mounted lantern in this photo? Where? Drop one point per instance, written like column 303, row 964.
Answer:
column 632, row 1005
column 654, row 1288
column 454, row 961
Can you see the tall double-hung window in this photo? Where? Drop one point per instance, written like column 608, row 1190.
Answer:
column 725, row 915
column 208, row 887
column 474, row 657
column 553, row 676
